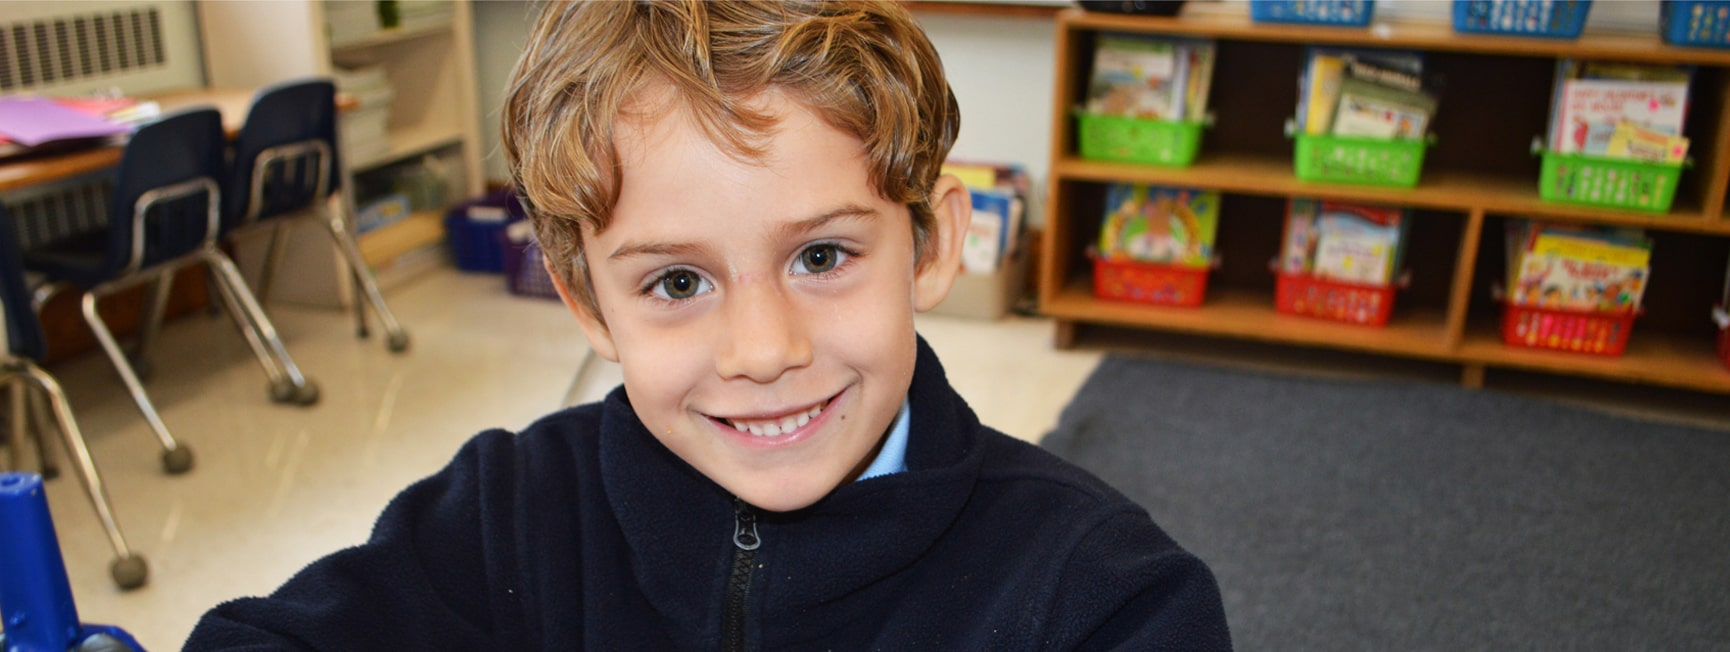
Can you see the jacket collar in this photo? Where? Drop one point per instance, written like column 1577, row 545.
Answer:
column 679, row 524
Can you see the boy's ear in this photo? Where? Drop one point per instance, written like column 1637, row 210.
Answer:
column 600, row 339
column 952, row 208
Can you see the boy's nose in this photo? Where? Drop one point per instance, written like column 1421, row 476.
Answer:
column 764, row 334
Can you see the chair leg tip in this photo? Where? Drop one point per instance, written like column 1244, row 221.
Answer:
column 398, row 342
column 177, row 460
column 129, row 572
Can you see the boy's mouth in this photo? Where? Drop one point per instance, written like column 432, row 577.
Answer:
column 777, row 425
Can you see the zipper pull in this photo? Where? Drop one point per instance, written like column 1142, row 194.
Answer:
column 745, row 526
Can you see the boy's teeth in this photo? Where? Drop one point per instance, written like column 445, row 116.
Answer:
column 778, row 427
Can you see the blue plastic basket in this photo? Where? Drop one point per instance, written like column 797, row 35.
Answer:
column 1347, row 13
column 1703, row 23
column 474, row 227
column 1547, row 18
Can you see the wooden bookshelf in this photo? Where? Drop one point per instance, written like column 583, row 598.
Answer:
column 1479, row 174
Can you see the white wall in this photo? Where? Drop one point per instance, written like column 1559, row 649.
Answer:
column 1000, row 68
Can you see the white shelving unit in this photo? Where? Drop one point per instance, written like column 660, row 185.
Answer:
column 433, row 111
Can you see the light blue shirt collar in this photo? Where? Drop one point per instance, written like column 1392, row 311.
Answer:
column 893, row 457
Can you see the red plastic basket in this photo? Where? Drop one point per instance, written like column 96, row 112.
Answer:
column 1352, row 303
column 1597, row 333
column 1166, row 285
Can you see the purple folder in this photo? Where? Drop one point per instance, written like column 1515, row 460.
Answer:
column 33, row 121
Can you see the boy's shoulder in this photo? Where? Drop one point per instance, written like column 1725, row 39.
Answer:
column 1019, row 470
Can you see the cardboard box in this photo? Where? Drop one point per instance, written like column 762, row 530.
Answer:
column 987, row 296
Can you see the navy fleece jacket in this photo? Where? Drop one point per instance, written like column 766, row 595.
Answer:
column 583, row 532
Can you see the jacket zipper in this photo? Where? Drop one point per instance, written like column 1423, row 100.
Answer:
column 745, row 543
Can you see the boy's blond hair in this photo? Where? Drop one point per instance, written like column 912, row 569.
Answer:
column 865, row 68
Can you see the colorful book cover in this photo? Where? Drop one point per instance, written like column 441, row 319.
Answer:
column 985, row 245
column 1159, row 225
column 1298, row 243
column 1201, row 57
column 1592, row 108
column 1631, row 141
column 1136, row 77
column 1373, row 112
column 1559, row 283
column 1358, row 244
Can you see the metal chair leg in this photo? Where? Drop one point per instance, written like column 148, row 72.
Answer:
column 297, row 389
column 129, row 569
column 38, row 426
column 175, row 457
column 242, row 320
column 273, row 253
column 15, row 430
column 156, row 311
column 333, row 222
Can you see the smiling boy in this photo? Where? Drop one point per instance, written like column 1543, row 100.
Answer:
column 740, row 202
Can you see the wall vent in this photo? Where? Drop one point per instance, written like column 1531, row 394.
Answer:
column 61, row 211
column 74, row 47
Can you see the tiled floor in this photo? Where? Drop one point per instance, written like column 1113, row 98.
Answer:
column 276, row 487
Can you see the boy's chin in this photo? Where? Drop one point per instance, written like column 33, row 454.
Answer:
column 783, row 499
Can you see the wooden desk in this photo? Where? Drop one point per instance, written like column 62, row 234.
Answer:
column 35, row 170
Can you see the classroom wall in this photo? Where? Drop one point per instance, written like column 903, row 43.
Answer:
column 1000, row 68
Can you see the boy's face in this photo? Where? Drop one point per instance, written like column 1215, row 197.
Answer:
column 762, row 312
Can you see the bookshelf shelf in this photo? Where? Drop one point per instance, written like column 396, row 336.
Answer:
column 1480, row 175
column 390, row 36
column 387, row 242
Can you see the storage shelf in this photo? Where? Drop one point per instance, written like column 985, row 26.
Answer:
column 1233, row 22
column 1651, row 357
column 381, row 245
column 1249, row 314
column 1441, row 190
column 409, row 142
column 391, row 35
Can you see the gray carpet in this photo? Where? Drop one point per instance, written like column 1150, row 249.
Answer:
column 1352, row 515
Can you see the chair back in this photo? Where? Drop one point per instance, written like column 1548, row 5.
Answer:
column 285, row 158
column 23, row 333
column 166, row 191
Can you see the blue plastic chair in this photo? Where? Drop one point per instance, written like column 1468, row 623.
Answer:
column 24, row 346
column 165, row 215
column 35, row 597
column 285, row 165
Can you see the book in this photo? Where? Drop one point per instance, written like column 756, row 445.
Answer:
column 1564, row 267
column 1632, row 141
column 1137, row 77
column 1298, row 242
column 1382, row 75
column 1591, row 100
column 1201, row 55
column 1355, row 243
column 1370, row 110
column 984, row 246
column 1153, row 224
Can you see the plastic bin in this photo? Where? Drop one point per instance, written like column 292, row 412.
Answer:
column 1152, row 283
column 1138, row 140
column 476, row 227
column 1368, row 161
column 525, row 272
column 1608, row 182
column 1547, row 18
column 1344, row 13
column 1597, row 333
column 1352, row 303
column 1699, row 23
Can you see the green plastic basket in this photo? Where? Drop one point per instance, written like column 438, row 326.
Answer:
column 1139, row 140
column 1608, row 182
column 1369, row 161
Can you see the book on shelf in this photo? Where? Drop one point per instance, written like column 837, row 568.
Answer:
column 1140, row 76
column 1153, row 224
column 1380, row 94
column 1341, row 241
column 1577, row 267
column 999, row 194
column 1643, row 108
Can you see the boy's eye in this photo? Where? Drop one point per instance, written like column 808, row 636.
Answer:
column 680, row 284
column 819, row 258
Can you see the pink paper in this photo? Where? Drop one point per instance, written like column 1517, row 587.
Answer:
column 33, row 121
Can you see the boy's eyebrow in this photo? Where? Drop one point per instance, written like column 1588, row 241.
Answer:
column 791, row 229
column 807, row 225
